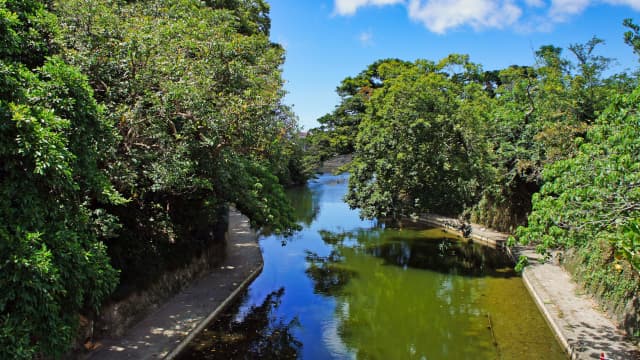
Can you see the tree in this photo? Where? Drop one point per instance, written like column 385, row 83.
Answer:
column 539, row 112
column 421, row 146
column 252, row 15
column 592, row 199
column 52, row 189
column 632, row 36
column 337, row 132
column 517, row 156
column 195, row 90
column 587, row 85
column 602, row 193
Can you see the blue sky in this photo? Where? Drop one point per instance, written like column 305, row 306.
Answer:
column 328, row 40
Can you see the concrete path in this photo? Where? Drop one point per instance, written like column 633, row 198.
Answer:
column 478, row 232
column 167, row 330
column 582, row 329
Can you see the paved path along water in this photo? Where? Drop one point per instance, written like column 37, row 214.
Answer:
column 163, row 332
column 583, row 330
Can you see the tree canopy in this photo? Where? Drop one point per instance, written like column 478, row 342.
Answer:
column 591, row 202
column 53, row 190
column 195, row 90
column 420, row 141
column 338, row 129
column 127, row 128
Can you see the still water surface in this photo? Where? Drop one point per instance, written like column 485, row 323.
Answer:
column 344, row 288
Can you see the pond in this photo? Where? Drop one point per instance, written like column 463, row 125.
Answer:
column 346, row 288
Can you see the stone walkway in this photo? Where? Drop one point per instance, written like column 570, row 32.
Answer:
column 165, row 332
column 583, row 330
column 478, row 232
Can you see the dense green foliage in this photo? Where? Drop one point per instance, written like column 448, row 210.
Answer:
column 127, row 128
column 452, row 138
column 596, row 189
column 195, row 92
column 421, row 146
column 494, row 131
column 551, row 147
column 52, row 136
column 538, row 111
column 338, row 129
column 591, row 201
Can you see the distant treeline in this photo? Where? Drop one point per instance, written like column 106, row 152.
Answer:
column 126, row 127
column 549, row 152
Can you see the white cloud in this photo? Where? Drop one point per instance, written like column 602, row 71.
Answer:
column 366, row 38
column 440, row 16
column 349, row 7
column 561, row 10
column 634, row 4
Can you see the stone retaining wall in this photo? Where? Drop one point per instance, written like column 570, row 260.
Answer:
column 116, row 317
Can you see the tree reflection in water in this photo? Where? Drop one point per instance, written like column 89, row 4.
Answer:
column 427, row 289
column 447, row 256
column 305, row 204
column 258, row 335
column 327, row 275
column 428, row 249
